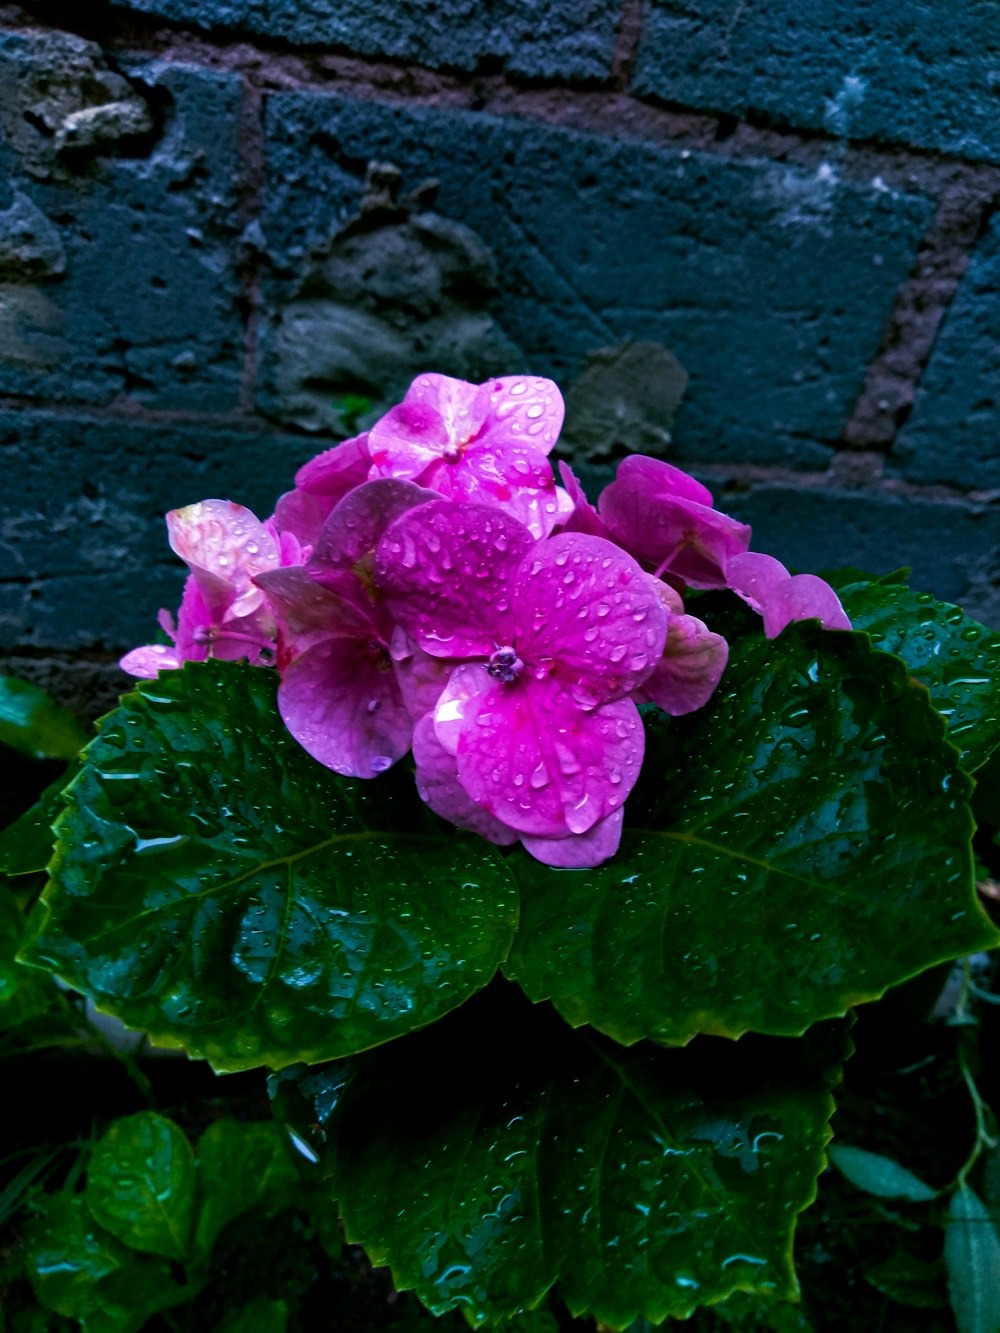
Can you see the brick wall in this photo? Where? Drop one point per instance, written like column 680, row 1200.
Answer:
column 757, row 238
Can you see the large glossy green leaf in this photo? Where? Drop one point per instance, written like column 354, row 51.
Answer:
column 956, row 657
column 241, row 1167
column 217, row 887
column 26, row 845
column 794, row 848
column 24, row 995
column 140, row 1184
column 35, row 725
column 646, row 1182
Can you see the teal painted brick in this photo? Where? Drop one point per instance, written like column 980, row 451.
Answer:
column 772, row 284
column 149, row 302
column 84, row 559
column 921, row 72
column 953, row 434
column 570, row 39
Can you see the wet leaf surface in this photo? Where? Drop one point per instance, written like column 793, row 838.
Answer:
column 795, row 848
column 645, row 1182
column 217, row 887
column 35, row 725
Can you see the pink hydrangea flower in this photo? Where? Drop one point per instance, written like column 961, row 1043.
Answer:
column 340, row 696
column 477, row 443
column 320, row 486
column 223, row 613
column 553, row 639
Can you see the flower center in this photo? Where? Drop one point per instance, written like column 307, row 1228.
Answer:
column 505, row 665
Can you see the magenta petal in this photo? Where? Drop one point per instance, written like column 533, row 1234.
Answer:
column 583, row 517
column 356, row 525
column 524, row 409
column 198, row 614
column 446, row 570
column 675, row 536
column 345, row 708
column 756, row 577
column 225, row 541
column 804, row 597
column 438, row 785
column 438, row 416
column 585, row 610
column 320, row 485
column 147, row 662
column 687, row 674
column 308, row 612
column 654, row 477
column 579, row 851
column 422, row 678
column 536, row 762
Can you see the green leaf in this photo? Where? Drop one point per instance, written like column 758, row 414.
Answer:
column 795, row 848
column 879, row 1175
column 241, row 1167
column 972, row 1257
column 260, row 1315
column 910, row 1280
column 141, row 1183
column 35, row 725
column 26, row 845
column 646, row 1182
column 217, row 887
column 957, row 658
column 66, row 1254
column 23, row 994
column 124, row 1301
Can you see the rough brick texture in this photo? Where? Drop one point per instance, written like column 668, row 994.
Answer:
column 921, row 72
column 570, row 39
column 770, row 283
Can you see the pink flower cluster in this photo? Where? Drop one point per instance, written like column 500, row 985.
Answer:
column 428, row 587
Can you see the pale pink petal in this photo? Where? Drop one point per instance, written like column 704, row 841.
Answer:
column 579, row 851
column 516, row 478
column 437, row 418
column 341, row 702
column 320, row 485
column 531, row 758
column 670, row 535
column 308, row 612
column 147, row 662
column 355, row 527
column 686, row 676
column 524, row 409
column 756, row 577
column 766, row 585
column 227, row 541
column 445, row 572
column 438, row 785
column 585, row 611
column 583, row 516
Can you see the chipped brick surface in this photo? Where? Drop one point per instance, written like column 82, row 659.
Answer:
column 84, row 559
column 138, row 294
column 770, row 283
column 919, row 72
column 569, row 39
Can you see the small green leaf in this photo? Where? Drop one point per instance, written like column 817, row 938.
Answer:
column 35, row 725
column 953, row 655
column 241, row 1167
column 972, row 1257
column 260, row 1315
column 876, row 1174
column 791, row 850
column 646, row 1182
column 26, row 845
column 124, row 1301
column 217, row 887
column 67, row 1254
column 911, row 1280
column 141, row 1184
column 24, row 995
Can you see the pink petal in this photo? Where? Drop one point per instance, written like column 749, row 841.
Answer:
column 308, row 612
column 691, row 667
column 446, row 570
column 199, row 614
column 355, row 527
column 766, row 585
column 438, row 785
column 320, row 485
column 341, row 702
column 531, row 758
column 147, row 662
column 756, row 577
column 586, row 611
column 438, row 416
column 583, row 517
column 676, row 536
column 579, row 851
column 422, row 678
column 524, row 409
column 654, row 477
column 516, row 478
column 227, row 541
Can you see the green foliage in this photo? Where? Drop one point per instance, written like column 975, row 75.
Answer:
column 140, row 1185
column 35, row 725
column 784, row 856
column 644, row 1182
column 215, row 886
column 972, row 1256
column 879, row 1175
